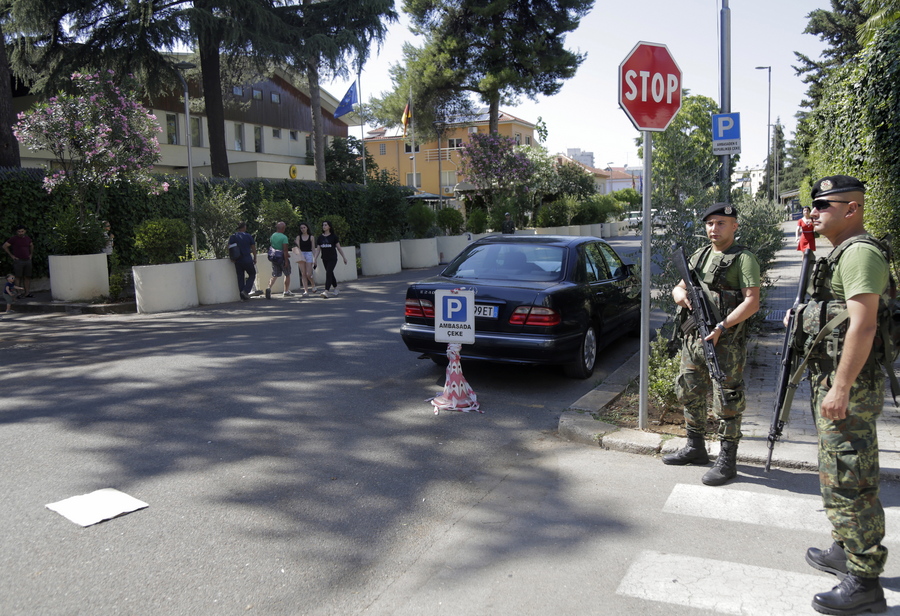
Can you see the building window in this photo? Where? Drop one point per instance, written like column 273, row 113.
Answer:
column 276, row 133
column 309, row 147
column 257, row 94
column 473, row 129
column 239, row 137
column 257, row 139
column 454, row 143
column 294, row 136
column 237, row 90
column 171, row 129
column 382, row 149
column 527, row 140
column 409, row 180
column 448, row 179
column 408, row 148
column 518, row 138
column 196, row 135
column 276, row 98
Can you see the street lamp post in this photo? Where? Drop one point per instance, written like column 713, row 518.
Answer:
column 768, row 127
column 609, row 181
column 183, row 66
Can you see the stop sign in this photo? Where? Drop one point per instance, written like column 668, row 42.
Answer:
column 650, row 86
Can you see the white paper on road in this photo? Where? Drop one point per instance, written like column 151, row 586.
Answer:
column 105, row 504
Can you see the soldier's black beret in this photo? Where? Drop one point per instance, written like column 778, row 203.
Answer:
column 722, row 209
column 836, row 184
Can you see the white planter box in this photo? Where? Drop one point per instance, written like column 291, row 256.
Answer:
column 543, row 230
column 597, row 229
column 526, row 231
column 573, row 230
column 381, row 258
column 342, row 272
column 449, row 246
column 584, row 230
column 216, row 281
column 166, row 288
column 78, row 277
column 416, row 254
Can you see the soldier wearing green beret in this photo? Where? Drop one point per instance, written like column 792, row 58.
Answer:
column 847, row 395
column 729, row 274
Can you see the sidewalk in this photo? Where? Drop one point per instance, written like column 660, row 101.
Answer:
column 797, row 447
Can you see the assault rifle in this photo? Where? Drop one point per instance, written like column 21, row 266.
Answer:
column 702, row 315
column 782, row 399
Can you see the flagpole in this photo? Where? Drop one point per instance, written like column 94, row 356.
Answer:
column 362, row 127
column 412, row 120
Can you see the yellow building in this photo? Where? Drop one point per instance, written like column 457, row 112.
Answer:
column 434, row 167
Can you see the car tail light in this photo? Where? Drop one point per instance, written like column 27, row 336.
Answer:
column 534, row 315
column 419, row 308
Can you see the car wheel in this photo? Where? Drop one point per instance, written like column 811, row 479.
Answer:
column 440, row 360
column 583, row 366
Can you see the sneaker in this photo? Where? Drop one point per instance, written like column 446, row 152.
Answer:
column 287, row 293
column 335, row 292
column 268, row 293
column 244, row 296
column 314, row 290
column 304, row 294
column 325, row 294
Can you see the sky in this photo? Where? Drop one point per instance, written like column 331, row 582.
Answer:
column 585, row 113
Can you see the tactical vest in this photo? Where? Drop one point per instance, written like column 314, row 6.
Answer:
column 723, row 297
column 821, row 323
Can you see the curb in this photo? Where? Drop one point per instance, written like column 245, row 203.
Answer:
column 578, row 425
column 76, row 308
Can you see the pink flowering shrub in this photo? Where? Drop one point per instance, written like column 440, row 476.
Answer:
column 99, row 136
column 495, row 165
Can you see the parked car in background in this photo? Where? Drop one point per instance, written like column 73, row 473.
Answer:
column 540, row 299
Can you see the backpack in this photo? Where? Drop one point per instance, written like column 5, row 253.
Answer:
column 820, row 325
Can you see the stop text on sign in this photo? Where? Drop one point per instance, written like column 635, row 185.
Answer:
column 661, row 86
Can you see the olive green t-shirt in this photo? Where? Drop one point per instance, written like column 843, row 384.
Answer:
column 860, row 269
column 743, row 273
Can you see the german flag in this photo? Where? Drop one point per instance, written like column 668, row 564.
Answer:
column 407, row 116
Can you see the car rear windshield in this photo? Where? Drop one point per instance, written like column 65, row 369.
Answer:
column 525, row 262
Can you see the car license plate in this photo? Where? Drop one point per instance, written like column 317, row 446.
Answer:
column 485, row 311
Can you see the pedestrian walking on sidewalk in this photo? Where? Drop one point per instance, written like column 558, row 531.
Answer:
column 244, row 259
column 280, row 256
column 805, row 233
column 847, row 395
column 729, row 274
column 329, row 246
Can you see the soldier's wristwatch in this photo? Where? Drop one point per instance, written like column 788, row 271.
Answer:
column 721, row 325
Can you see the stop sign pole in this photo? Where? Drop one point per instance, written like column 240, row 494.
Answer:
column 650, row 95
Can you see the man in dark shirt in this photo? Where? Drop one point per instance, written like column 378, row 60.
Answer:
column 20, row 248
column 245, row 263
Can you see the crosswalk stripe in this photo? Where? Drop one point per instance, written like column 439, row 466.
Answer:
column 776, row 511
column 726, row 587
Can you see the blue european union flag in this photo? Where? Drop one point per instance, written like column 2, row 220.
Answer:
column 350, row 98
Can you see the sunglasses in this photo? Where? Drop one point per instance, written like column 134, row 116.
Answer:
column 824, row 204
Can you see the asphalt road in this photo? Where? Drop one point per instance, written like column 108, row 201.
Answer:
column 285, row 447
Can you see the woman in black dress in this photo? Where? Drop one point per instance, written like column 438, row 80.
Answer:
column 329, row 246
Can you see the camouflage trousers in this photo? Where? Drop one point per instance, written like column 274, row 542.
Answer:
column 849, row 470
column 694, row 383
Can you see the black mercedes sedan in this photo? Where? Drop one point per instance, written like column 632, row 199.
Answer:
column 539, row 299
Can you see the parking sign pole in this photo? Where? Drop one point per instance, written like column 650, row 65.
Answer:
column 645, row 287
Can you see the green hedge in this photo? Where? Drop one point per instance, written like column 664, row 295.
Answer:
column 376, row 212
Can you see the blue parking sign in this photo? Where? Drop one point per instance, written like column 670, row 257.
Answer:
column 454, row 316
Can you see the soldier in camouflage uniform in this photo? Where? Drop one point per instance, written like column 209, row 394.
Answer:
column 729, row 274
column 847, row 397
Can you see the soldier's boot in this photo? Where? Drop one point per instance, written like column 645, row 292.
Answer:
column 833, row 560
column 725, row 468
column 692, row 453
column 854, row 595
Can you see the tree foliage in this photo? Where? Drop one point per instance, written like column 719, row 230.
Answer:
column 343, row 162
column 497, row 50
